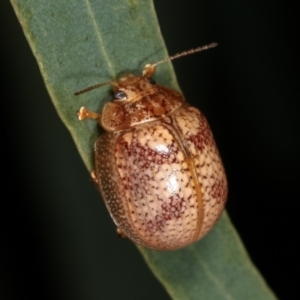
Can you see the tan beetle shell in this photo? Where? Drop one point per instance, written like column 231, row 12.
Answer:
column 158, row 167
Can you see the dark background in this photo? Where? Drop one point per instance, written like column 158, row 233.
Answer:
column 53, row 223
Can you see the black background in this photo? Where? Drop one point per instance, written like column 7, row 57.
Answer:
column 53, row 224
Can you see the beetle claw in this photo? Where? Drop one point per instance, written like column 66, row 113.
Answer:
column 120, row 233
column 94, row 177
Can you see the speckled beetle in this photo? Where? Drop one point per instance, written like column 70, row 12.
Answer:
column 157, row 166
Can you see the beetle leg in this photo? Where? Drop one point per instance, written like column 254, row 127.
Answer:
column 120, row 233
column 83, row 113
column 94, row 177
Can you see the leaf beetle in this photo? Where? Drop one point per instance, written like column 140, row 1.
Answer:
column 157, row 166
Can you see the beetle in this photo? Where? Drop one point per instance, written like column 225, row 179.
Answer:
column 157, row 166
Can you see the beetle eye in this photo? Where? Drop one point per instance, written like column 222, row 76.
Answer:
column 152, row 81
column 120, row 95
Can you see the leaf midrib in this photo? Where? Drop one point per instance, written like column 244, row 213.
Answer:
column 100, row 40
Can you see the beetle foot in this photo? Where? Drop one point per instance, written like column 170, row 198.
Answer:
column 84, row 113
column 94, row 177
column 120, row 233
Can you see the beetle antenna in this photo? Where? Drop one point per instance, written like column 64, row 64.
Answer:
column 150, row 68
column 93, row 87
column 184, row 53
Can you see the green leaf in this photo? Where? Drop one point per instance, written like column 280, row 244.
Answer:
column 80, row 43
